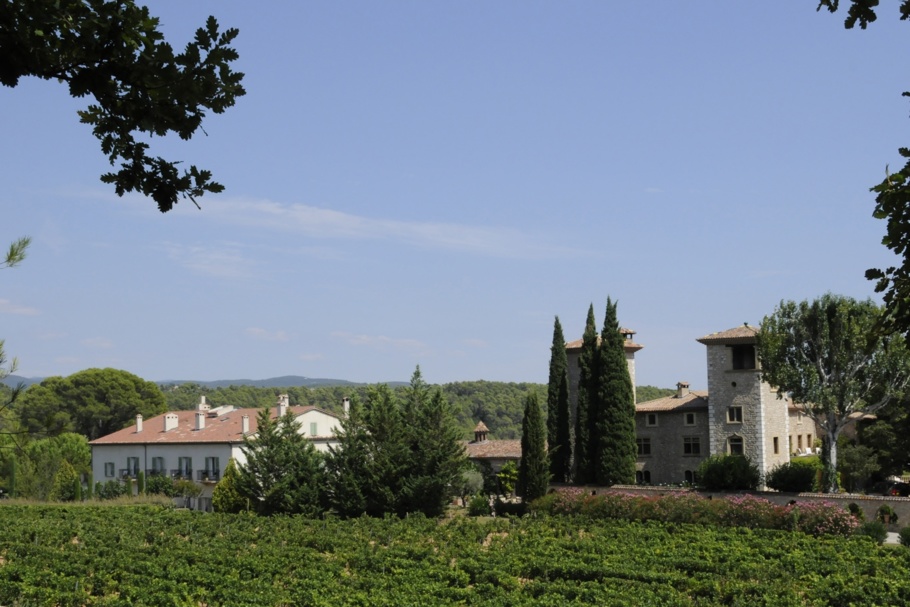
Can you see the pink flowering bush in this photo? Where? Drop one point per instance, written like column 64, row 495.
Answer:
column 813, row 518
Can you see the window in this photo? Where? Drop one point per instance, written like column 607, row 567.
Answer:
column 689, row 419
column 212, row 468
column 313, row 429
column 643, row 477
column 776, row 446
column 185, row 467
column 132, row 466
column 690, row 477
column 651, row 419
column 735, row 415
column 109, row 469
column 644, row 446
column 157, row 465
column 735, row 445
column 799, row 442
column 809, row 443
column 743, row 357
column 691, row 445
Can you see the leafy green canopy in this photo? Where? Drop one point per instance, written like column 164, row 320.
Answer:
column 93, row 402
column 830, row 357
column 113, row 51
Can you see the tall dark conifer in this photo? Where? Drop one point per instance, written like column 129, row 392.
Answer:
column 615, row 449
column 533, row 472
column 587, row 362
column 559, row 445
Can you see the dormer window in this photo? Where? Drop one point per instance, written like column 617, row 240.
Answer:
column 743, row 357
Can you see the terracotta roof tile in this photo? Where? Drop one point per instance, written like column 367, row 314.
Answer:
column 481, row 427
column 222, row 428
column 743, row 334
column 690, row 402
column 492, row 449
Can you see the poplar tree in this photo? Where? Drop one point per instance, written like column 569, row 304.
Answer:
column 615, row 449
column 533, row 473
column 559, row 439
column 587, row 363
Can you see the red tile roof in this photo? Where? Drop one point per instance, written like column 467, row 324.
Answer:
column 494, row 449
column 221, row 428
column 743, row 334
column 628, row 344
column 691, row 401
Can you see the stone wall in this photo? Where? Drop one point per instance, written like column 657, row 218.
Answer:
column 668, row 462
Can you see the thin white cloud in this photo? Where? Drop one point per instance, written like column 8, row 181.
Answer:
column 264, row 335
column 380, row 342
column 98, row 342
column 314, row 222
column 223, row 262
column 8, row 307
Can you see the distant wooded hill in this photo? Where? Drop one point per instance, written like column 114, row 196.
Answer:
column 498, row 404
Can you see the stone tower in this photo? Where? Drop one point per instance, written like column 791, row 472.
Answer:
column 573, row 352
column 745, row 415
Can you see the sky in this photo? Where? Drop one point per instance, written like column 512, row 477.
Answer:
column 431, row 184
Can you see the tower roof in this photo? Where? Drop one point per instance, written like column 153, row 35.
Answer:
column 743, row 334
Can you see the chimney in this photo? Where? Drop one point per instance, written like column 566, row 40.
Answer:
column 139, row 423
column 282, row 404
column 202, row 406
column 480, row 432
column 170, row 421
column 200, row 420
column 682, row 389
column 245, row 425
column 346, row 406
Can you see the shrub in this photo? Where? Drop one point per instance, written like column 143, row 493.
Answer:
column 885, row 511
column 856, row 511
column 110, row 490
column 479, row 506
column 904, row 536
column 792, row 477
column 504, row 508
column 875, row 530
column 158, row 484
column 728, row 473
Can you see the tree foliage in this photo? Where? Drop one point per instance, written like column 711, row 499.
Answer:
column 225, row 496
column 397, row 453
column 533, row 470
column 113, row 52
column 615, row 450
column 283, row 470
column 830, row 357
column 892, row 202
column 583, row 457
column 559, row 437
column 93, row 402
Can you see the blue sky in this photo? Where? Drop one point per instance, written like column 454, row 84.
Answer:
column 431, row 183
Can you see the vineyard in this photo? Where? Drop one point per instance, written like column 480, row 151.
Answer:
column 147, row 555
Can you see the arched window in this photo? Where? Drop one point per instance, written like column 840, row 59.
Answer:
column 735, row 445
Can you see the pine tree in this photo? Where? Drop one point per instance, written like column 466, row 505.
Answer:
column 533, row 471
column 559, row 440
column 225, row 497
column 587, row 374
column 282, row 473
column 615, row 449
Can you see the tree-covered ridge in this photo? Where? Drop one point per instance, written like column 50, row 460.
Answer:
column 645, row 393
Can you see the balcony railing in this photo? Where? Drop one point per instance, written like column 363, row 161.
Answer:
column 209, row 475
column 155, row 472
column 129, row 473
column 182, row 474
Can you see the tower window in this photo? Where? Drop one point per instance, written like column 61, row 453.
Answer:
column 735, row 445
column 651, row 419
column 743, row 357
column 735, row 415
column 644, row 446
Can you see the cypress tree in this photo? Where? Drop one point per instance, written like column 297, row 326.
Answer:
column 615, row 422
column 90, row 486
column 559, row 440
column 225, row 497
column 140, row 483
column 587, row 364
column 533, row 473
column 13, row 465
